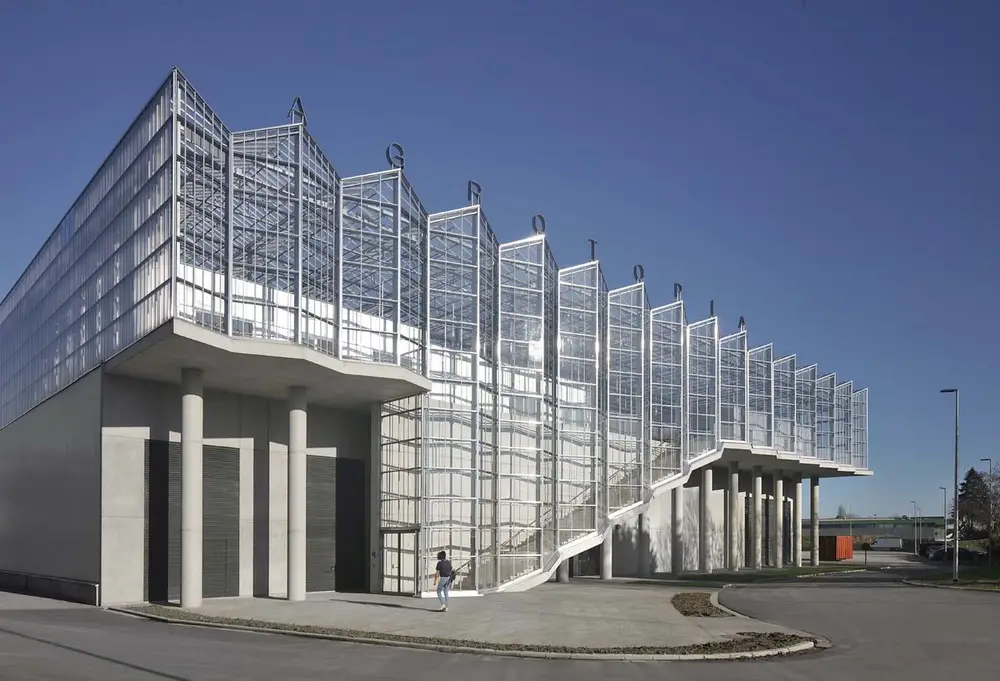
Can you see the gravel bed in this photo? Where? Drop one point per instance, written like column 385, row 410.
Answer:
column 697, row 604
column 743, row 642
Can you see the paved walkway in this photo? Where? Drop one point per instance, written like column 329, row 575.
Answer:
column 586, row 613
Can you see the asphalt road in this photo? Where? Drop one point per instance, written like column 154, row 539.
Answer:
column 880, row 632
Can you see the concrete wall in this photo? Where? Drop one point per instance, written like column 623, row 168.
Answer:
column 657, row 529
column 50, row 490
column 135, row 411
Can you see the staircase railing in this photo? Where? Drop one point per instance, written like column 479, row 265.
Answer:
column 577, row 504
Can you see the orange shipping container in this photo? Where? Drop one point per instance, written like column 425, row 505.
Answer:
column 836, row 548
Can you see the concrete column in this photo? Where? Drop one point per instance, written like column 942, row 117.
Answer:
column 297, row 428
column 797, row 522
column 814, row 521
column 757, row 540
column 677, row 530
column 374, row 500
column 704, row 522
column 779, row 519
column 642, row 546
column 733, row 540
column 562, row 572
column 192, row 440
column 606, row 554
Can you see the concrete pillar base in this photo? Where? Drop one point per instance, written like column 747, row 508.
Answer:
column 704, row 522
column 606, row 555
column 814, row 522
column 758, row 519
column 797, row 522
column 643, row 569
column 677, row 530
column 734, row 517
column 297, row 433
column 192, row 452
column 779, row 520
column 562, row 572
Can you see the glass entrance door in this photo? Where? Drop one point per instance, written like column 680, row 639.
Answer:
column 400, row 557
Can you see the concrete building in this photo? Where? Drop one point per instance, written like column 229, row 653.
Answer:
column 231, row 371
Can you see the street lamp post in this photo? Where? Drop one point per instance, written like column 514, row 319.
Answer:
column 944, row 516
column 913, row 521
column 954, row 561
column 989, row 526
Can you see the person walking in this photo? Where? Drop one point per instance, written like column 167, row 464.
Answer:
column 443, row 576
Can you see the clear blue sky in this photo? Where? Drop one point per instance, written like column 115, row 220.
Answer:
column 830, row 172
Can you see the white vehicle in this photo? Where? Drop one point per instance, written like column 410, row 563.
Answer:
column 887, row 544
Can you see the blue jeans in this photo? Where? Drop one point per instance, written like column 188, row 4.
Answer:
column 444, row 590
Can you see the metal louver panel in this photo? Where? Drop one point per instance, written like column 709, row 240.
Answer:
column 221, row 524
column 321, row 522
column 162, row 526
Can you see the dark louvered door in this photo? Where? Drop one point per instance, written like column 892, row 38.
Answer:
column 221, row 530
column 321, row 522
column 162, row 559
column 352, row 528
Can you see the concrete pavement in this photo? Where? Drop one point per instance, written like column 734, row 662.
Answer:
column 879, row 631
column 584, row 614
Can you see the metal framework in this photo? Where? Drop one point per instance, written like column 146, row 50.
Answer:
column 761, row 397
column 785, row 403
column 702, row 388
column 582, row 400
column 805, row 411
column 825, row 387
column 734, row 387
column 628, row 319
column 556, row 404
column 667, row 361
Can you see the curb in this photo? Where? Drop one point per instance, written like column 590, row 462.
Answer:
column 744, row 655
column 833, row 572
column 929, row 585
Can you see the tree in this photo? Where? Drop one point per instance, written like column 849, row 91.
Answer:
column 974, row 505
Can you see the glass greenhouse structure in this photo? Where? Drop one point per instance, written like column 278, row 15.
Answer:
column 558, row 404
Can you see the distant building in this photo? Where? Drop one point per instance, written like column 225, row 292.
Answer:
column 926, row 528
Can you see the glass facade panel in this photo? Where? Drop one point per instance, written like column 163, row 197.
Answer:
column 859, row 429
column 267, row 174
column 582, row 408
column 805, row 411
column 825, row 387
column 666, row 391
column 842, row 423
column 785, row 402
column 526, row 405
column 702, row 388
column 402, row 426
column 203, row 201
column 459, row 446
column 102, row 279
column 733, row 387
column 628, row 318
column 383, row 264
column 761, row 396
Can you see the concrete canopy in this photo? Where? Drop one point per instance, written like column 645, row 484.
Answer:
column 771, row 461
column 263, row 368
